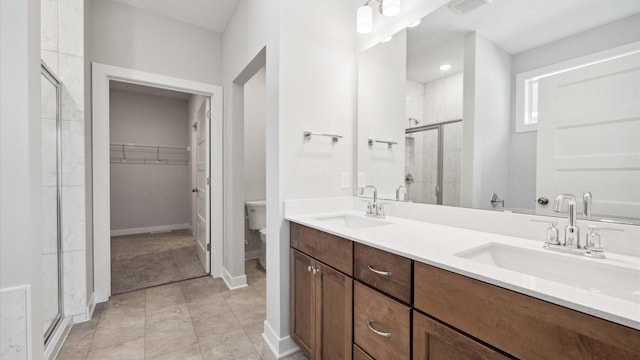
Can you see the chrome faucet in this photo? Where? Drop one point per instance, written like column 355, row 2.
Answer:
column 398, row 191
column 373, row 208
column 571, row 231
column 586, row 205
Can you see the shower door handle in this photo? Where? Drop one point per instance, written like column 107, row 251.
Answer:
column 437, row 190
column 194, row 190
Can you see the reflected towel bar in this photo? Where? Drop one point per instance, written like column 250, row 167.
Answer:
column 389, row 143
column 309, row 134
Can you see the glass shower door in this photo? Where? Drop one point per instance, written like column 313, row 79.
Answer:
column 422, row 166
column 51, row 201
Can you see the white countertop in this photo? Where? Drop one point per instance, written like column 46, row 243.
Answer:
column 437, row 245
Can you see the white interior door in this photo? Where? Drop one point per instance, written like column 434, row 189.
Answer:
column 589, row 136
column 202, row 186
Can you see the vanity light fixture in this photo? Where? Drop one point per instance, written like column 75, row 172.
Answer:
column 445, row 67
column 415, row 23
column 387, row 39
column 365, row 13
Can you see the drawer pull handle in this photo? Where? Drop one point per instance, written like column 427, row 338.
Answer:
column 370, row 325
column 380, row 272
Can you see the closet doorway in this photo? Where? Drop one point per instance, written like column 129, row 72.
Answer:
column 146, row 219
column 153, row 175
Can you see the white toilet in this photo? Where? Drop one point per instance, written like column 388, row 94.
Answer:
column 258, row 221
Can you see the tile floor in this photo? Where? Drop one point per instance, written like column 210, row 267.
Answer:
column 192, row 319
column 145, row 260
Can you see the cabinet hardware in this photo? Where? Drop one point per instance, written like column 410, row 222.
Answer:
column 370, row 325
column 308, row 268
column 380, row 272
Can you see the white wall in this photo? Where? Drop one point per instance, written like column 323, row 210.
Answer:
column 487, row 122
column 133, row 38
column 522, row 160
column 20, row 246
column 310, row 82
column 255, row 115
column 382, row 114
column 147, row 195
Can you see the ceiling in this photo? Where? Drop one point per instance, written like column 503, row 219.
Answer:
column 513, row 25
column 148, row 90
column 211, row 14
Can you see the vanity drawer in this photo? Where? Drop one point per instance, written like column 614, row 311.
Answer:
column 385, row 271
column 518, row 324
column 330, row 249
column 381, row 325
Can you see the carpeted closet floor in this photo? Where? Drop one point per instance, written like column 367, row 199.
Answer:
column 145, row 260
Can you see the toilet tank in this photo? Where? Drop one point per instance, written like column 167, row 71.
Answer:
column 257, row 214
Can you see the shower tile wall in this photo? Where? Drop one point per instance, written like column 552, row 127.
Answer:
column 62, row 45
column 432, row 103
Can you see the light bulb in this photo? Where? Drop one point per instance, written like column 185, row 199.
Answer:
column 390, row 7
column 365, row 19
column 445, row 67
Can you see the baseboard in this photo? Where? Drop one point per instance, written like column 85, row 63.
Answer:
column 252, row 254
column 149, row 229
column 58, row 338
column 234, row 283
column 280, row 347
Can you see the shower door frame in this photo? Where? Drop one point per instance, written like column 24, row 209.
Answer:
column 440, row 127
column 55, row 81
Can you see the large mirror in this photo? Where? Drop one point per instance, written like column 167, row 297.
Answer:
column 505, row 105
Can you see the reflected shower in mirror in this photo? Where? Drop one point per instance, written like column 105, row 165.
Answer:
column 524, row 100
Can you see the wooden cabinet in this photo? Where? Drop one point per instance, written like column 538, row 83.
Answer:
column 435, row 341
column 455, row 317
column 381, row 325
column 518, row 324
column 384, row 271
column 321, row 296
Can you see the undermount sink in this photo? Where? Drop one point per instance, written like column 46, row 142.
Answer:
column 351, row 221
column 587, row 274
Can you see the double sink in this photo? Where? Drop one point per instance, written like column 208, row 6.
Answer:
column 593, row 276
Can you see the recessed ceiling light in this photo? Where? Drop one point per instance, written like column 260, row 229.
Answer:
column 445, row 67
column 387, row 39
column 415, row 23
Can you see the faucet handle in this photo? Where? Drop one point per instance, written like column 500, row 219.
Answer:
column 553, row 236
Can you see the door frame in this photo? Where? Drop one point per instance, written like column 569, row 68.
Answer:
column 101, row 75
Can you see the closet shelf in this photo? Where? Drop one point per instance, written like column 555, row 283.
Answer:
column 149, row 154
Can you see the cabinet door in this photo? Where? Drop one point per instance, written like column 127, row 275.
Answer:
column 334, row 309
column 303, row 302
column 434, row 341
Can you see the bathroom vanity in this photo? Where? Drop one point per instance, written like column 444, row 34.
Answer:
column 357, row 295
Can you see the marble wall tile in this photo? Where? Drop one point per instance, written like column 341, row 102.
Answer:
column 71, row 27
column 49, row 220
column 73, row 218
column 49, row 25
column 50, row 287
column 72, row 96
column 74, row 274
column 73, row 173
column 14, row 323
column 49, row 156
column 51, row 59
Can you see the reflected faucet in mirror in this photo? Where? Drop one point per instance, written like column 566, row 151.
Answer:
column 586, row 205
column 571, row 231
column 398, row 191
